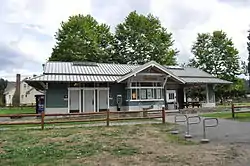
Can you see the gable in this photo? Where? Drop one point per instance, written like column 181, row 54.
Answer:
column 149, row 66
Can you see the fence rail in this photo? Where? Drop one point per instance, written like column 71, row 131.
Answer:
column 106, row 117
column 234, row 112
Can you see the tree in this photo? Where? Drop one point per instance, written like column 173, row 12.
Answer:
column 140, row 39
column 216, row 54
column 3, row 85
column 248, row 49
column 82, row 38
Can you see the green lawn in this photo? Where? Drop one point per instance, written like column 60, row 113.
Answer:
column 18, row 110
column 149, row 144
column 228, row 115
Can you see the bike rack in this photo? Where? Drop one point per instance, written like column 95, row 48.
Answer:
column 204, row 139
column 187, row 135
column 180, row 120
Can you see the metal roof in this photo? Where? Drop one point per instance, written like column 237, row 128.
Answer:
column 100, row 68
column 189, row 71
column 103, row 72
column 211, row 80
column 75, row 78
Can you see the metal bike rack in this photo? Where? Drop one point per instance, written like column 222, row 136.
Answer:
column 180, row 120
column 204, row 139
column 187, row 135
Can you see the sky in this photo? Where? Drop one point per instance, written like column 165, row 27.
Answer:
column 27, row 27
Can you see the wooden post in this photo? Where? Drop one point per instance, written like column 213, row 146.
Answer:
column 42, row 120
column 107, row 117
column 163, row 115
column 233, row 114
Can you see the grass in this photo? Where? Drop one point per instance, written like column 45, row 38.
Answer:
column 17, row 110
column 244, row 117
column 121, row 145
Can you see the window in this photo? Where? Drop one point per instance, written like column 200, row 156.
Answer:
column 22, row 96
column 150, row 94
column 158, row 93
column 25, row 95
column 144, row 91
column 171, row 95
column 134, row 95
column 24, row 85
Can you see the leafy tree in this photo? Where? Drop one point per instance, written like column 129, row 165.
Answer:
column 216, row 54
column 82, row 38
column 140, row 39
column 248, row 48
column 3, row 85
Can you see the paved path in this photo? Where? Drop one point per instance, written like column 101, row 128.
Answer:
column 228, row 131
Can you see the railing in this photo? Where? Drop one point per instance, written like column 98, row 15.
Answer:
column 84, row 117
column 205, row 125
column 191, row 123
column 234, row 112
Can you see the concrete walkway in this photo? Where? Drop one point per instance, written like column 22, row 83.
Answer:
column 228, row 131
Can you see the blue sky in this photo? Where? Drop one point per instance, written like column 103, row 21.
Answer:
column 27, row 27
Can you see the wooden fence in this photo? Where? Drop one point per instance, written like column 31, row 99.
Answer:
column 105, row 116
column 234, row 111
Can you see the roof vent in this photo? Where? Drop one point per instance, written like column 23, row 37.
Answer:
column 175, row 67
column 84, row 64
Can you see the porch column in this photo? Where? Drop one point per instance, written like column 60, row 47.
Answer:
column 185, row 95
column 210, row 96
column 180, row 97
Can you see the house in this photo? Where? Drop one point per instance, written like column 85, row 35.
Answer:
column 26, row 93
column 88, row 86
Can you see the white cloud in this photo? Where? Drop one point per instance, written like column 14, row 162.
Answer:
column 206, row 16
column 30, row 25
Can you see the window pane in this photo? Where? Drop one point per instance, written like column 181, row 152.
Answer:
column 134, row 95
column 138, row 94
column 149, row 93
column 171, row 95
column 158, row 93
column 143, row 94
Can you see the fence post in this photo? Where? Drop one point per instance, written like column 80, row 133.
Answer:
column 233, row 114
column 107, row 117
column 163, row 115
column 42, row 120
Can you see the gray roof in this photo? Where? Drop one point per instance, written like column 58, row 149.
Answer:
column 211, row 80
column 76, row 78
column 103, row 72
column 98, row 69
column 189, row 71
column 10, row 85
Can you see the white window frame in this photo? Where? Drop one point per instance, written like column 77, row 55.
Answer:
column 140, row 89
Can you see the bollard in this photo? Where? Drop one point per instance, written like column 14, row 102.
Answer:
column 175, row 121
column 205, row 139
column 188, row 135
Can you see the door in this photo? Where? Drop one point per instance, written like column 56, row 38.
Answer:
column 89, row 101
column 103, row 100
column 74, row 101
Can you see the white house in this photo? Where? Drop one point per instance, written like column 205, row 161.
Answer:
column 27, row 93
